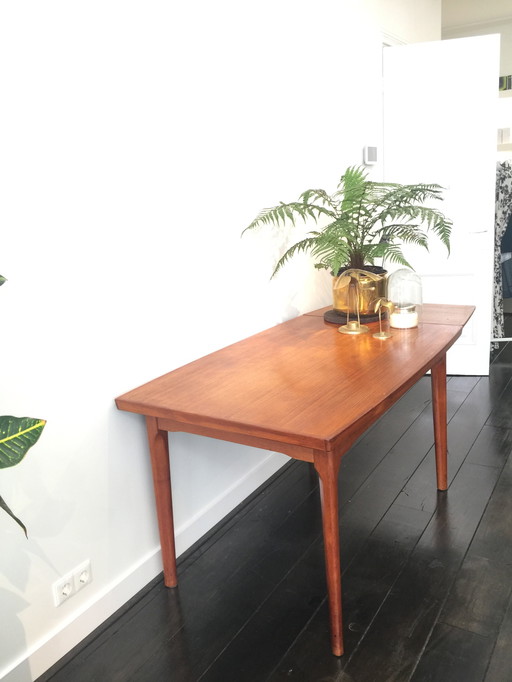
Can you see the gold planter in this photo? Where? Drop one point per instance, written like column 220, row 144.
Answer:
column 361, row 289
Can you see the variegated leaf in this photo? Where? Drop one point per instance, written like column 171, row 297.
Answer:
column 17, row 436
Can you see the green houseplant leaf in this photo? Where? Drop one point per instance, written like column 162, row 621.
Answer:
column 17, row 436
column 4, row 506
column 2, row 280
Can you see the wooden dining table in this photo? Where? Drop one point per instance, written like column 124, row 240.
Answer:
column 303, row 389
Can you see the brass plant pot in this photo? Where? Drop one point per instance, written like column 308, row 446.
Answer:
column 354, row 288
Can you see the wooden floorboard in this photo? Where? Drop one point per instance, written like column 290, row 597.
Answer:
column 427, row 576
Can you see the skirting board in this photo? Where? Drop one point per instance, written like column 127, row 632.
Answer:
column 58, row 642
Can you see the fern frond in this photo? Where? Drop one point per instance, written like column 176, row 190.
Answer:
column 408, row 234
column 280, row 214
column 318, row 195
column 332, row 255
column 430, row 218
column 392, row 253
column 303, row 246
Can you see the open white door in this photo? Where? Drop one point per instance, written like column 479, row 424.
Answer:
column 440, row 104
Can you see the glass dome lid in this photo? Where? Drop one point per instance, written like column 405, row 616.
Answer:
column 405, row 293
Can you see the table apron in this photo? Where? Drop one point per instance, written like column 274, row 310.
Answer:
column 306, row 454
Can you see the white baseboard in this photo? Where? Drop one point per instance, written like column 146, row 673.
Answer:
column 71, row 631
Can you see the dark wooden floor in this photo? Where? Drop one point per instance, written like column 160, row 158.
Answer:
column 427, row 576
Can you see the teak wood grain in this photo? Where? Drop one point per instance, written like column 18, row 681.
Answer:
column 303, row 389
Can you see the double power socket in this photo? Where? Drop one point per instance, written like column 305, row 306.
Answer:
column 71, row 583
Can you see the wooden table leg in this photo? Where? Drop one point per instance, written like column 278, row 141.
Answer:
column 159, row 451
column 327, row 466
column 440, row 422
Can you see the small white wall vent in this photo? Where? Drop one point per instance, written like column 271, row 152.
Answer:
column 369, row 156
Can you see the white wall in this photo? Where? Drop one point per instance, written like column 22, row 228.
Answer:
column 137, row 140
column 409, row 24
column 502, row 27
column 457, row 12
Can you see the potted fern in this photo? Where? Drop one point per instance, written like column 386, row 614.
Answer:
column 17, row 436
column 362, row 221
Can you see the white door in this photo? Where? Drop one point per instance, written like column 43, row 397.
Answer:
column 440, row 104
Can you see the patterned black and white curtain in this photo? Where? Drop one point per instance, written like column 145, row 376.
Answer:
column 502, row 216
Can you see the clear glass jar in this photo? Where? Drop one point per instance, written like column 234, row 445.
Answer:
column 405, row 293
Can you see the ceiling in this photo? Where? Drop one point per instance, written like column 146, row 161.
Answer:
column 462, row 12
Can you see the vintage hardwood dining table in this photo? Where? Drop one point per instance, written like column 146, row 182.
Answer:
column 303, row 389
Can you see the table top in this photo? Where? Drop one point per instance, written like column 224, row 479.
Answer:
column 300, row 382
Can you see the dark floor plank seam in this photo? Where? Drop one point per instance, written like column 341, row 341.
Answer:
column 456, row 573
column 489, row 662
column 263, row 602
column 360, row 642
column 294, row 641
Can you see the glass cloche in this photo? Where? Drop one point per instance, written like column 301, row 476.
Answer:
column 404, row 292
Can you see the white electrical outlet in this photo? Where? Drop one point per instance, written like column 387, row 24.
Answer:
column 71, row 583
column 63, row 589
column 82, row 575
